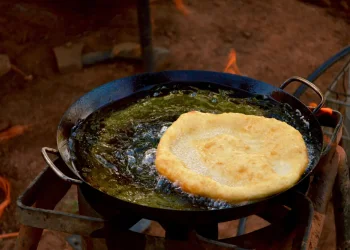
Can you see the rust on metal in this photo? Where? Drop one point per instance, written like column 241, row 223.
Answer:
column 321, row 191
column 45, row 192
column 322, row 184
column 44, row 197
column 316, row 227
column 341, row 197
column 292, row 227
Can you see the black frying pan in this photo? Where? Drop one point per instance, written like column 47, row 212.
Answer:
column 122, row 89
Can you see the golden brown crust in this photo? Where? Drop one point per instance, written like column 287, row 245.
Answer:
column 232, row 157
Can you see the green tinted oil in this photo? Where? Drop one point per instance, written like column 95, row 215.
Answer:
column 116, row 146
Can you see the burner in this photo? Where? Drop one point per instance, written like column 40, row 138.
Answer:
column 296, row 218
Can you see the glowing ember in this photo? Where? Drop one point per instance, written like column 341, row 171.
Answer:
column 323, row 110
column 231, row 66
column 181, row 7
column 5, row 187
column 313, row 105
column 12, row 132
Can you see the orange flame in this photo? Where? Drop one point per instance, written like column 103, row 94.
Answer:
column 324, row 110
column 231, row 66
column 181, row 7
column 5, row 187
column 12, row 132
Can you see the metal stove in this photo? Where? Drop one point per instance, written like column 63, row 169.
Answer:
column 296, row 220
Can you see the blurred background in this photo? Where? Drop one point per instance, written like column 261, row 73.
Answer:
column 42, row 73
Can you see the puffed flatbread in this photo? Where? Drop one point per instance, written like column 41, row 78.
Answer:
column 231, row 156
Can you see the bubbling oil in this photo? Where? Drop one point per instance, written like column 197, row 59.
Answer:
column 189, row 155
column 116, row 146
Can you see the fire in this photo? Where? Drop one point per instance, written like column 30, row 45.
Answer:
column 231, row 66
column 5, row 187
column 181, row 7
column 4, row 183
column 12, row 132
column 324, row 110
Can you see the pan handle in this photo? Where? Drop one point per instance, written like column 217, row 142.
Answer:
column 44, row 152
column 310, row 85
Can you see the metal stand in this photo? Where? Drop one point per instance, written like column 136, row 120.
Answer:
column 145, row 32
column 320, row 70
column 338, row 92
column 338, row 98
column 297, row 226
column 341, row 197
